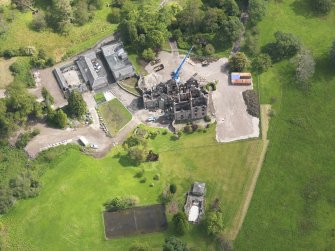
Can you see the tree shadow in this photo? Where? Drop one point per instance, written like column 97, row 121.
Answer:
column 304, row 8
column 125, row 161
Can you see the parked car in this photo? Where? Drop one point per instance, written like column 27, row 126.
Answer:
column 94, row 146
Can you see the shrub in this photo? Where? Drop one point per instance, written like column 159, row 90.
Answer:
column 119, row 203
column 143, row 180
column 156, row 177
column 180, row 223
column 173, row 188
column 140, row 247
column 139, row 174
column 209, row 49
column 152, row 156
column 215, row 222
column 262, row 62
column 6, row 200
column 148, row 54
column 194, row 127
column 174, row 244
column 187, row 129
column 165, row 132
column 39, row 23
column 207, row 119
column 24, row 138
column 15, row 68
column 239, row 62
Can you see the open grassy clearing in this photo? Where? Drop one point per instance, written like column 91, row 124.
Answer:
column 6, row 76
column 115, row 115
column 293, row 204
column 79, row 39
column 67, row 213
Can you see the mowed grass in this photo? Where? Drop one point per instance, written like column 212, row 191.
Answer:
column 67, row 213
column 293, row 205
column 115, row 115
column 6, row 76
column 79, row 39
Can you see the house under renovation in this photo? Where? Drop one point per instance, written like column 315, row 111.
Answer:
column 195, row 202
column 179, row 101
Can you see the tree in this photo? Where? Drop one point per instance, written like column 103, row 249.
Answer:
column 48, row 99
column 137, row 153
column 231, row 8
column 115, row 16
column 60, row 119
column 215, row 222
column 61, row 15
column 39, row 23
column 174, row 244
column 99, row 4
column 6, row 200
column 173, row 188
column 148, row 54
column 332, row 52
column 322, row 6
column 305, row 68
column 81, row 12
column 262, row 62
column 23, row 4
column 238, row 62
column 213, row 19
column 286, row 46
column 180, row 223
column 190, row 18
column 251, row 44
column 77, row 105
column 256, row 10
column 209, row 49
column 231, row 30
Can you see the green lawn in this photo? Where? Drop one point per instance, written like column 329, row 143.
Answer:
column 293, row 205
column 99, row 98
column 67, row 213
column 6, row 76
column 115, row 115
column 130, row 84
column 79, row 39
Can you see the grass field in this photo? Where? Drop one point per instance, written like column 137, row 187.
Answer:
column 115, row 115
column 293, row 205
column 79, row 39
column 6, row 76
column 99, row 98
column 67, row 213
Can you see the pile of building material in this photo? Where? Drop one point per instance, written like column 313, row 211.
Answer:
column 251, row 100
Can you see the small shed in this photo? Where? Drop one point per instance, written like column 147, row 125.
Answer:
column 83, row 141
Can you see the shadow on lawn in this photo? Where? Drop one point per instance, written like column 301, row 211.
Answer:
column 304, row 8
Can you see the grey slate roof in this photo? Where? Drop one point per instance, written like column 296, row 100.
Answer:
column 88, row 72
column 198, row 188
column 118, row 61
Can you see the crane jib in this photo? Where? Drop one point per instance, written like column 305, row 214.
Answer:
column 177, row 71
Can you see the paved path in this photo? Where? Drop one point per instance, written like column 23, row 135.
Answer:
column 240, row 216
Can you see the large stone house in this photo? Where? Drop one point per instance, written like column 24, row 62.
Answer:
column 180, row 101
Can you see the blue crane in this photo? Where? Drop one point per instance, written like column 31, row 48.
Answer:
column 175, row 74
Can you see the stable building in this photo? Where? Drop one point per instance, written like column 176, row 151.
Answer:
column 91, row 71
column 118, row 62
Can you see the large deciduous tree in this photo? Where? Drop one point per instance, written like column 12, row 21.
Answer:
column 77, row 105
column 256, row 10
column 262, row 62
column 286, row 46
column 239, row 62
column 61, row 15
column 231, row 30
column 322, row 6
